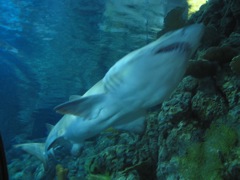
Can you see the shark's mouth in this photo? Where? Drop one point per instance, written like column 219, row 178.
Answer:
column 180, row 47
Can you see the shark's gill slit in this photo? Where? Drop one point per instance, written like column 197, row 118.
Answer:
column 176, row 46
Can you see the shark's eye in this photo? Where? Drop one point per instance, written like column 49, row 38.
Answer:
column 172, row 47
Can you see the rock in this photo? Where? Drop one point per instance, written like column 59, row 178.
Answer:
column 233, row 114
column 201, row 68
column 173, row 20
column 229, row 86
column 220, row 54
column 235, row 9
column 235, row 64
column 175, row 108
column 188, row 84
column 232, row 41
column 132, row 175
column 205, row 158
column 208, row 107
column 173, row 141
column 179, row 103
column 211, row 37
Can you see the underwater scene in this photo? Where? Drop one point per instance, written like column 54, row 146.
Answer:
column 120, row 90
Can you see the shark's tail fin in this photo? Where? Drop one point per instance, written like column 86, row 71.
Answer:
column 35, row 149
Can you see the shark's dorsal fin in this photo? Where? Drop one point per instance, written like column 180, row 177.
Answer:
column 74, row 97
column 87, row 107
column 97, row 88
column 49, row 127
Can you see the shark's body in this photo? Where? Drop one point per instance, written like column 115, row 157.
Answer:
column 140, row 80
column 63, row 129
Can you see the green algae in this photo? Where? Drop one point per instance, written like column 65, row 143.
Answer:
column 205, row 160
column 220, row 138
column 105, row 176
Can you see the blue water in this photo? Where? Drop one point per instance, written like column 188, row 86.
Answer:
column 39, row 43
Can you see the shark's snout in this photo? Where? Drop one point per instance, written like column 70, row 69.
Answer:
column 193, row 33
column 185, row 40
column 197, row 28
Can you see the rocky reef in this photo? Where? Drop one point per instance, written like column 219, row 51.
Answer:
column 194, row 134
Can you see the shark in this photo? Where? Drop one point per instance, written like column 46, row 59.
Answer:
column 140, row 80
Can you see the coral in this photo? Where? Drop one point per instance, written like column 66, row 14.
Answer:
column 235, row 64
column 61, row 172
column 206, row 160
column 220, row 54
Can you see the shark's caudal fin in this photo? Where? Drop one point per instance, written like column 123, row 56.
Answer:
column 35, row 149
column 87, row 107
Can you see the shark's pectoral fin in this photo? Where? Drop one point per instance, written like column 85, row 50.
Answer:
column 87, row 107
column 35, row 149
column 76, row 148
